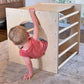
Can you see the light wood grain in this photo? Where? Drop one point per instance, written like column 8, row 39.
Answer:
column 48, row 16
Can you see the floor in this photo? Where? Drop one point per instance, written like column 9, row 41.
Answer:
column 12, row 73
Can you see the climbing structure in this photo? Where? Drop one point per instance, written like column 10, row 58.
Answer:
column 58, row 52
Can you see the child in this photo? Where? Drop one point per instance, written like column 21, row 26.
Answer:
column 30, row 47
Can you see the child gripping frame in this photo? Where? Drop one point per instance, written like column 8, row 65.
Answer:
column 29, row 47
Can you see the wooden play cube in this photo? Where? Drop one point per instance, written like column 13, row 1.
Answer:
column 58, row 52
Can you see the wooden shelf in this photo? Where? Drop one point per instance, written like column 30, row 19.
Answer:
column 17, row 4
column 68, row 38
column 67, row 49
column 66, row 28
column 69, row 15
column 67, row 60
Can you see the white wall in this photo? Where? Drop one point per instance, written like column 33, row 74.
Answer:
column 32, row 2
column 79, row 1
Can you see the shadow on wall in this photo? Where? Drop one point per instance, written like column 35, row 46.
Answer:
column 3, row 24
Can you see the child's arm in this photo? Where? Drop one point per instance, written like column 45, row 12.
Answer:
column 36, row 24
column 29, row 67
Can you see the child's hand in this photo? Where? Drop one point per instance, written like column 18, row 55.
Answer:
column 27, row 76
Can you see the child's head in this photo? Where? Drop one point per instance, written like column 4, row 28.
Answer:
column 18, row 35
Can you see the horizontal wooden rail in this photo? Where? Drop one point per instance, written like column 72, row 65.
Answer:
column 69, row 15
column 29, row 30
column 67, row 60
column 67, row 49
column 64, row 29
column 68, row 38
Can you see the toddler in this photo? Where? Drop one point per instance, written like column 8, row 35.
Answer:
column 29, row 47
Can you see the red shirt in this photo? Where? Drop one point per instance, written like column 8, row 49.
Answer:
column 36, row 49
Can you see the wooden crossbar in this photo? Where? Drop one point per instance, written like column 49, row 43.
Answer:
column 66, row 28
column 69, row 15
column 67, row 60
column 67, row 49
column 68, row 38
column 29, row 30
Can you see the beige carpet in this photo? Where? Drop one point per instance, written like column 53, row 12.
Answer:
column 12, row 73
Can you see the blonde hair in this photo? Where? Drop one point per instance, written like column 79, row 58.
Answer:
column 18, row 35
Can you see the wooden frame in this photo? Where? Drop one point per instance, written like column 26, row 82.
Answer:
column 58, row 53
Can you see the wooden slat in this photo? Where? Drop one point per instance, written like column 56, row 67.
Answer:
column 67, row 60
column 64, row 29
column 67, row 49
column 69, row 15
column 29, row 30
column 68, row 38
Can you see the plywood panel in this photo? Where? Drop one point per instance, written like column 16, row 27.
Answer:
column 48, row 31
column 50, row 26
column 48, row 16
column 50, row 7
